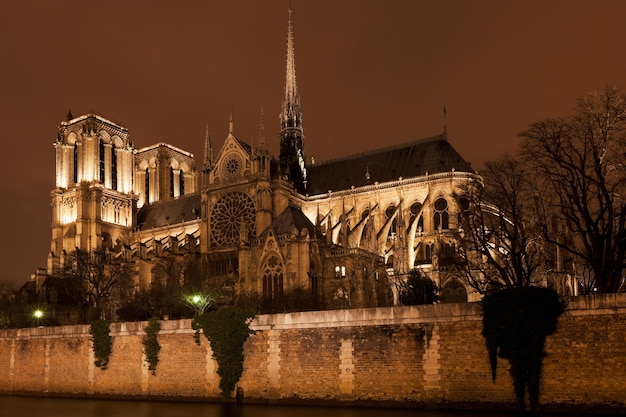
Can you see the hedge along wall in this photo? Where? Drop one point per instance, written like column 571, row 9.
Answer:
column 428, row 355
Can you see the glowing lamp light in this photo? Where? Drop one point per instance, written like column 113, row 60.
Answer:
column 38, row 317
column 199, row 302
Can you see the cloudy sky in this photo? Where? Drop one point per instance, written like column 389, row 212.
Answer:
column 370, row 74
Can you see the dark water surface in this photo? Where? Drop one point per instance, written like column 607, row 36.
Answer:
column 62, row 407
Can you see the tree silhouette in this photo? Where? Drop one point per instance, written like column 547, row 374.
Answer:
column 581, row 160
column 418, row 289
column 501, row 241
column 96, row 279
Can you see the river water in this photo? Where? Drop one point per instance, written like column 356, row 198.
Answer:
column 14, row 406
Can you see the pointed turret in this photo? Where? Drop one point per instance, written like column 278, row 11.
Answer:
column 292, row 160
column 207, row 164
column 262, row 141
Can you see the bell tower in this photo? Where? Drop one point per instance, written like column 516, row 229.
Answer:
column 93, row 204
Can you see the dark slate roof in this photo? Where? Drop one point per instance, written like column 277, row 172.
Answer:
column 244, row 145
column 433, row 155
column 293, row 218
column 162, row 213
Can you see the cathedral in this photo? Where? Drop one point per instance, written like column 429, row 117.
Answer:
column 340, row 233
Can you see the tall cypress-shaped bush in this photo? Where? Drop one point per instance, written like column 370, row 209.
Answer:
column 151, row 346
column 102, row 342
column 227, row 330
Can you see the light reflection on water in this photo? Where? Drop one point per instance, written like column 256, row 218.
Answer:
column 62, row 407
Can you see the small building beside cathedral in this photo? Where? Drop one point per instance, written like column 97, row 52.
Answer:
column 280, row 232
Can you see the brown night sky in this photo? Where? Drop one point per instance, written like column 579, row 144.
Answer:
column 370, row 74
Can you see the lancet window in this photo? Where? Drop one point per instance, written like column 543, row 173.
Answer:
column 171, row 182
column 273, row 282
column 113, row 169
column 441, row 216
column 101, row 158
column 416, row 215
column 75, row 163
column 147, row 186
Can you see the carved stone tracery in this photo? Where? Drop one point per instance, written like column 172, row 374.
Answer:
column 229, row 214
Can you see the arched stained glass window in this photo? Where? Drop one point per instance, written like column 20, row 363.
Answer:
column 441, row 216
column 273, row 291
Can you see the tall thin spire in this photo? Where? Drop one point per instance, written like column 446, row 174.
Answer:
column 292, row 112
column 262, row 142
column 292, row 159
column 208, row 151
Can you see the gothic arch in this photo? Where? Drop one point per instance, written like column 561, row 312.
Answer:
column 415, row 229
column 143, row 164
column 315, row 275
column 453, row 291
column 184, row 168
column 106, row 241
column 441, row 214
column 272, row 275
column 118, row 143
column 389, row 216
column 104, row 136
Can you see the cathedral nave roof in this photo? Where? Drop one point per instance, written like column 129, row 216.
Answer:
column 163, row 213
column 432, row 155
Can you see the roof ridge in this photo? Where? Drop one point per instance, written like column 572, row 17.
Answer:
column 98, row 116
column 379, row 150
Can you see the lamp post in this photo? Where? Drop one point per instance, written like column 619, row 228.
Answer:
column 198, row 302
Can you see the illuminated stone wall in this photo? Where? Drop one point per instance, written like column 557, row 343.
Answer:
column 397, row 219
column 433, row 355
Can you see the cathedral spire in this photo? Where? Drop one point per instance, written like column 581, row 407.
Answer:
column 292, row 160
column 292, row 112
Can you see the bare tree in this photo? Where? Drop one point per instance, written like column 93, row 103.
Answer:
column 582, row 162
column 96, row 279
column 501, row 240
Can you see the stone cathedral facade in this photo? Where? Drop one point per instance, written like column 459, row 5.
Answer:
column 340, row 232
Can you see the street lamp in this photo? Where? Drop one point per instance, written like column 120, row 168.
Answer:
column 198, row 302
column 38, row 315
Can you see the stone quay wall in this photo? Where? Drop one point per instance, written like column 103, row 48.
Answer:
column 422, row 356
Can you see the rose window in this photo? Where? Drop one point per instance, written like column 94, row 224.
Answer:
column 232, row 165
column 228, row 215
